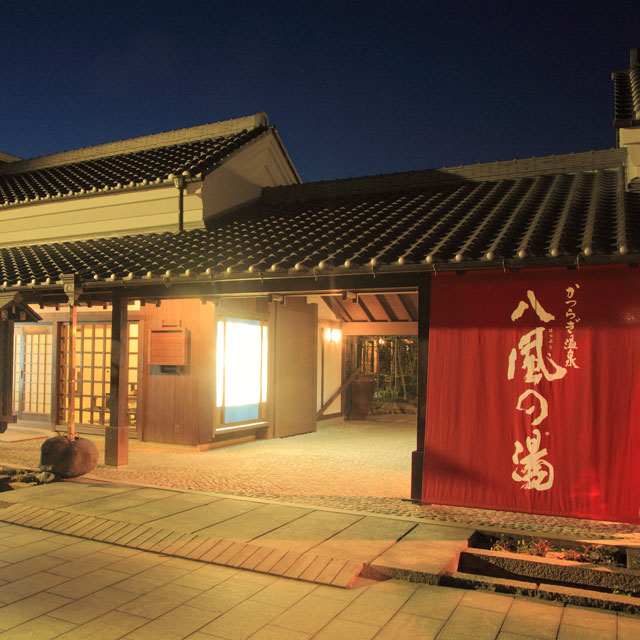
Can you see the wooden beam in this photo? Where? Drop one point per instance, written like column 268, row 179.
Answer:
column 116, row 445
column 384, row 303
column 380, row 329
column 424, row 315
column 344, row 385
column 407, row 302
column 334, row 283
column 336, row 308
column 363, row 305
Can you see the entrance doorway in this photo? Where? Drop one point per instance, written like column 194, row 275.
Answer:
column 33, row 371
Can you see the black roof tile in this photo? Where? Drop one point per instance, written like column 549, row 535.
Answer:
column 394, row 223
column 20, row 184
column 626, row 86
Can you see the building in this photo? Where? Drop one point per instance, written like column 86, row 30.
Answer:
column 204, row 283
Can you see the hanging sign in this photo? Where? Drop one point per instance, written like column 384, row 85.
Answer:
column 533, row 400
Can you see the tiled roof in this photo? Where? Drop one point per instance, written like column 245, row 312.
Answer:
column 421, row 220
column 140, row 162
column 626, row 84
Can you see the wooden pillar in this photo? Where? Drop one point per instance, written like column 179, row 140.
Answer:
column 417, row 456
column 71, row 428
column 6, row 372
column 116, row 444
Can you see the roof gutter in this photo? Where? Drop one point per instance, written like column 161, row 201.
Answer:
column 179, row 182
column 169, row 279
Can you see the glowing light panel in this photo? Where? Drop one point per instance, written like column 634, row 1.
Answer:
column 242, row 355
column 241, row 368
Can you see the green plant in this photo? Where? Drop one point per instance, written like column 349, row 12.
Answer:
column 572, row 554
column 386, row 394
column 503, row 543
column 534, row 547
column 599, row 554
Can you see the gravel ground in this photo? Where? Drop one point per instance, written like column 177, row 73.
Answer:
column 363, row 466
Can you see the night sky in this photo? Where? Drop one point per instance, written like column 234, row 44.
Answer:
column 355, row 88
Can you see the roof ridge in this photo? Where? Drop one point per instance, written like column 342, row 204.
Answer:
column 7, row 157
column 140, row 143
column 499, row 170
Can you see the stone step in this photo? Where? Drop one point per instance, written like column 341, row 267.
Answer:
column 567, row 595
column 422, row 555
column 517, row 566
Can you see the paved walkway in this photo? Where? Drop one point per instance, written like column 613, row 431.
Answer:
column 316, row 545
column 60, row 586
column 359, row 466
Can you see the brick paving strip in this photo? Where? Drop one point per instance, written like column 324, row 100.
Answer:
column 308, row 567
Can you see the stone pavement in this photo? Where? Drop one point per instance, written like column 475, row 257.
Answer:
column 316, row 545
column 358, row 466
column 59, row 586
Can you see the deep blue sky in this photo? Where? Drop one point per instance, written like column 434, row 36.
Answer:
column 354, row 88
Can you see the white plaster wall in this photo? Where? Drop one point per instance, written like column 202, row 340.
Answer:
column 332, row 374
column 630, row 138
column 131, row 211
column 260, row 163
column 240, row 178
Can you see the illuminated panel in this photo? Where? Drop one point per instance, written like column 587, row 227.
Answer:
column 220, row 364
column 265, row 360
column 242, row 370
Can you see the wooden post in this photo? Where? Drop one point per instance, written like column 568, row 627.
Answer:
column 6, row 372
column 116, row 445
column 71, row 430
column 417, row 456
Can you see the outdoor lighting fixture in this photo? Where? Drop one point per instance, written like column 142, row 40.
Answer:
column 332, row 335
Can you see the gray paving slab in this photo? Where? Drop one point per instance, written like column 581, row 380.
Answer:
column 162, row 508
column 365, row 540
column 19, row 496
column 133, row 497
column 206, row 515
column 424, row 554
column 307, row 532
column 255, row 523
column 61, row 494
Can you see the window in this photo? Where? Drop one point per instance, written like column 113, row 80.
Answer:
column 93, row 372
column 241, row 371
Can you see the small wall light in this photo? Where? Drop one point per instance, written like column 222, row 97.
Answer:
column 332, row 335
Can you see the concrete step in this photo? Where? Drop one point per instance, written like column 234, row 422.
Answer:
column 517, row 566
column 422, row 555
column 567, row 595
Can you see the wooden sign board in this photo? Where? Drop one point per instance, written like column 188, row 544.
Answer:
column 168, row 347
